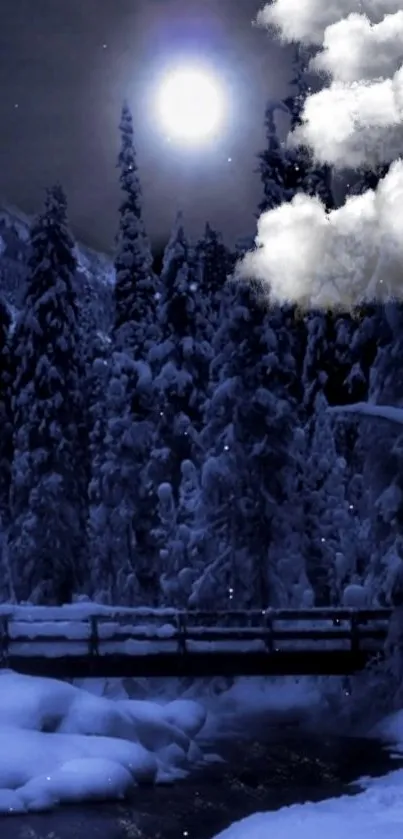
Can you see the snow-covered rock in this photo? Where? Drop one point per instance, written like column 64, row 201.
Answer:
column 60, row 743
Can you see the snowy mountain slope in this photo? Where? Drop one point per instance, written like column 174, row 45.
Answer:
column 95, row 275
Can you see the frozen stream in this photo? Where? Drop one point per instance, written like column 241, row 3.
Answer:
column 270, row 762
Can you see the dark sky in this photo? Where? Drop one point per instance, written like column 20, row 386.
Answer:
column 67, row 65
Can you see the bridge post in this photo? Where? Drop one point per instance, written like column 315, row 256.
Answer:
column 394, row 642
column 181, row 627
column 355, row 634
column 93, row 638
column 268, row 625
column 4, row 641
column 393, row 647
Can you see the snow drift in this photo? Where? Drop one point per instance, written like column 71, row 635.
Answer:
column 59, row 743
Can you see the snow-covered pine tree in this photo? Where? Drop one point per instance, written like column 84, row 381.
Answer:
column 331, row 529
column 181, row 539
column 214, row 264
column 49, row 470
column 374, row 322
column 383, row 467
column 375, row 351
column 382, row 444
column 136, row 284
column 5, row 414
column 182, row 361
column 122, row 502
column 328, row 362
column 274, row 163
column 284, row 171
column 249, row 426
column 98, row 370
column 98, row 364
column 6, row 449
column 371, row 327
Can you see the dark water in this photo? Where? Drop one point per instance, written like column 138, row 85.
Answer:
column 269, row 763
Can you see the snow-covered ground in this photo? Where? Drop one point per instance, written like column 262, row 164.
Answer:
column 60, row 743
column 376, row 813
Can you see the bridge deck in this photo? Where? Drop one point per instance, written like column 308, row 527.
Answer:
column 283, row 663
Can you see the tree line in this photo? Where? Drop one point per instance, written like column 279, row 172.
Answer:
column 188, row 457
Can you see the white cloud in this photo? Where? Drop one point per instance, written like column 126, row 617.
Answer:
column 351, row 125
column 307, row 20
column 353, row 253
column 309, row 256
column 354, row 48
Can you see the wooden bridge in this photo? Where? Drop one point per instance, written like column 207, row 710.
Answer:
column 163, row 643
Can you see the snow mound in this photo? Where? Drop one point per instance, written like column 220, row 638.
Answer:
column 375, row 813
column 186, row 714
column 61, row 744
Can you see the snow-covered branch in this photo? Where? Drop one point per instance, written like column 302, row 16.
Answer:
column 386, row 412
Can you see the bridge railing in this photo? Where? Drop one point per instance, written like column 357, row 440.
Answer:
column 183, row 631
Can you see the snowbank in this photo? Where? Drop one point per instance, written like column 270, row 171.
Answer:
column 59, row 743
column 375, row 813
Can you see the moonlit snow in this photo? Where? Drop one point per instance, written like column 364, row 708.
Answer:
column 376, row 813
column 60, row 744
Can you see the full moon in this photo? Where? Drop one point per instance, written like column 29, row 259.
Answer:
column 190, row 105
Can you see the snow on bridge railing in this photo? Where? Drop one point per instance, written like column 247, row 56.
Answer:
column 84, row 631
column 82, row 611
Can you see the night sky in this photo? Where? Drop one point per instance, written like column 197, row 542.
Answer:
column 67, row 65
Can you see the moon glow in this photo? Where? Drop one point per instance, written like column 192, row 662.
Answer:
column 190, row 105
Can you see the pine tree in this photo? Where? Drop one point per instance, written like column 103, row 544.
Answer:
column 5, row 413
column 135, row 288
column 382, row 444
column 180, row 537
column 213, row 265
column 246, row 474
column 6, row 449
column 286, row 171
column 373, row 320
column 328, row 362
column 49, row 471
column 182, row 361
column 122, row 502
column 330, row 525
column 276, row 165
column 97, row 383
